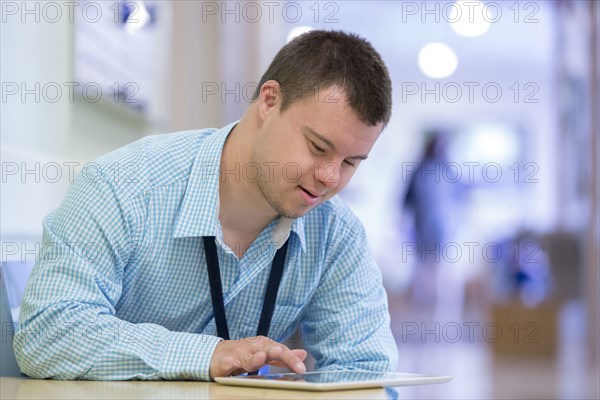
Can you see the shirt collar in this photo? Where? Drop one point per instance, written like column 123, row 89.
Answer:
column 199, row 209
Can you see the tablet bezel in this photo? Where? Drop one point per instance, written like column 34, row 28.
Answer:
column 391, row 379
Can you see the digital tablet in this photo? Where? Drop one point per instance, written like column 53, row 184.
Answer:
column 331, row 380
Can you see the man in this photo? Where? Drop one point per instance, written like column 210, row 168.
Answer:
column 142, row 275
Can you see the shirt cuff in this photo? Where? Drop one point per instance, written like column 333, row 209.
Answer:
column 188, row 356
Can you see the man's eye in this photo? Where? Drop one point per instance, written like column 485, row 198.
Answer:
column 350, row 163
column 317, row 148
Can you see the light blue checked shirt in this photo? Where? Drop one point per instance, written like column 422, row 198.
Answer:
column 120, row 288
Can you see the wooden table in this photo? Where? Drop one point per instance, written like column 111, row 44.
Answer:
column 25, row 388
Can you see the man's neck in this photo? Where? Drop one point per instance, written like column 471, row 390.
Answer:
column 244, row 212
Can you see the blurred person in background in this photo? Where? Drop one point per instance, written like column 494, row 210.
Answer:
column 429, row 200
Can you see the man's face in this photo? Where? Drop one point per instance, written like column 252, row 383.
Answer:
column 309, row 152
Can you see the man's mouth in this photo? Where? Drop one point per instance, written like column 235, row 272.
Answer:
column 309, row 197
column 311, row 194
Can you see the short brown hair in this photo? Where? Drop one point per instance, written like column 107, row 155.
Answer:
column 320, row 59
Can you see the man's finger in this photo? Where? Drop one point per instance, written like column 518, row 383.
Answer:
column 299, row 370
column 287, row 358
column 255, row 361
column 300, row 353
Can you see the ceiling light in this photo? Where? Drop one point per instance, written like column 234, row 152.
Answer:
column 437, row 60
column 470, row 18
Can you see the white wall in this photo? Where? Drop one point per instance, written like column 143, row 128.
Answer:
column 49, row 133
column 34, row 131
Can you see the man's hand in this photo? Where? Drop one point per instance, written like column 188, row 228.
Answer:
column 234, row 357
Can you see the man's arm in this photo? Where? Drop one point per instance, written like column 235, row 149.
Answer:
column 68, row 325
column 347, row 323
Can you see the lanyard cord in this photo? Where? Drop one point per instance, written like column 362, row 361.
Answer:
column 216, row 289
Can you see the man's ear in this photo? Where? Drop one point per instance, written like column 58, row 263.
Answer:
column 269, row 98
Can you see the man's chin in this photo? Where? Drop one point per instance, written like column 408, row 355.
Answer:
column 296, row 213
column 293, row 215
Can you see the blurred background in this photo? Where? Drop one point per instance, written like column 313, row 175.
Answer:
column 480, row 199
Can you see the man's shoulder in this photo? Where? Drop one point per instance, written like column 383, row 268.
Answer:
column 152, row 161
column 160, row 146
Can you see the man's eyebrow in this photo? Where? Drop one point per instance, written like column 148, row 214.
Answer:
column 329, row 143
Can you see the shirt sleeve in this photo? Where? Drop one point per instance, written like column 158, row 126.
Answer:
column 347, row 324
column 68, row 327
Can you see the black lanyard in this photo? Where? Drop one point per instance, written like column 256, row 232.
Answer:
column 216, row 289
